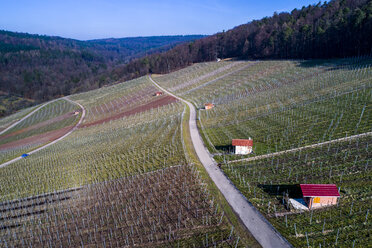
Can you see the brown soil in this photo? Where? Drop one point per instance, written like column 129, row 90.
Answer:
column 154, row 104
column 114, row 106
column 40, row 138
column 38, row 125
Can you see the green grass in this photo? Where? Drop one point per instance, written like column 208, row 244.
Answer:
column 41, row 122
column 281, row 104
column 246, row 238
column 98, row 153
column 289, row 104
column 347, row 164
column 128, row 148
column 46, row 113
column 300, row 125
column 10, row 119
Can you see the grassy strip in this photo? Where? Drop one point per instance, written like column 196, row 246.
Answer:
column 209, row 146
column 245, row 237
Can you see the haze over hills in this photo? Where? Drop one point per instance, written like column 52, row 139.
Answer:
column 43, row 67
column 39, row 68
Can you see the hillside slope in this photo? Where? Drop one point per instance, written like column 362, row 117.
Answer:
column 336, row 29
column 44, row 67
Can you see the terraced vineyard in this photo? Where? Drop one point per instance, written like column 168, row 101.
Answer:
column 8, row 120
column 121, row 179
column 104, row 148
column 268, row 182
column 168, row 207
column 47, row 124
column 283, row 105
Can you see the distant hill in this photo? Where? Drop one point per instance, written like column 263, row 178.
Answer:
column 39, row 67
column 43, row 67
column 334, row 29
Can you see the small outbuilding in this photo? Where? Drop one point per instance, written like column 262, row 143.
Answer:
column 158, row 93
column 243, row 146
column 76, row 112
column 320, row 195
column 24, row 155
column 208, row 105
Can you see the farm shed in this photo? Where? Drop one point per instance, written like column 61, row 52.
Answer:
column 158, row 93
column 208, row 105
column 243, row 146
column 319, row 195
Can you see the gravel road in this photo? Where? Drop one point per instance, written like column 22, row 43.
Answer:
column 255, row 222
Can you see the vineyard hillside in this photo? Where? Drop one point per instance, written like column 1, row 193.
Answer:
column 115, row 167
column 310, row 121
column 120, row 178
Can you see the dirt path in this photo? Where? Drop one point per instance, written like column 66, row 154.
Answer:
column 255, row 222
column 54, row 141
column 301, row 148
column 32, row 112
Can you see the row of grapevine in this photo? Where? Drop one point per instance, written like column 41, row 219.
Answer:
column 268, row 183
column 169, row 207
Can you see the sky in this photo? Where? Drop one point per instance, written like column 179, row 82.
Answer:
column 95, row 19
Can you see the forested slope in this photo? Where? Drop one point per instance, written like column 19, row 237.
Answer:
column 39, row 68
column 334, row 29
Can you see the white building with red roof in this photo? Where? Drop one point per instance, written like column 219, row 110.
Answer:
column 320, row 195
column 243, row 146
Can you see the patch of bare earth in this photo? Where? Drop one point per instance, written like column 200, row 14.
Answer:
column 38, row 125
column 160, row 101
column 37, row 139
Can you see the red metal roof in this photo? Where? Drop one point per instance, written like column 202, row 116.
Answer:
column 242, row 142
column 309, row 190
column 208, row 104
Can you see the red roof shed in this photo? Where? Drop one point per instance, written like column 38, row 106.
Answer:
column 208, row 105
column 242, row 142
column 314, row 190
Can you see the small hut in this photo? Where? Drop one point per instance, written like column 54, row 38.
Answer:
column 158, row 93
column 208, row 105
column 319, row 195
column 76, row 112
column 243, row 146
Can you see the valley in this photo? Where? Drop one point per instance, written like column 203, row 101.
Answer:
column 130, row 135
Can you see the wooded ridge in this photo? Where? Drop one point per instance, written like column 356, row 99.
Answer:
column 36, row 68
column 334, row 29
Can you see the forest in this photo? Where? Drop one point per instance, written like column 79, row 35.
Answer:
column 334, row 29
column 37, row 68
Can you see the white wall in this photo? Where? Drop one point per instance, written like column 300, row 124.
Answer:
column 242, row 150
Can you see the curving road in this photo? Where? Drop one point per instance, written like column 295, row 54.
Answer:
column 32, row 112
column 54, row 141
column 255, row 222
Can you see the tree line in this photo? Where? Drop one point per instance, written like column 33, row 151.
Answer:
column 335, row 29
column 37, row 68
column 44, row 67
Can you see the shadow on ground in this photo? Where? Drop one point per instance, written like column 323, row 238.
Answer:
column 292, row 190
column 226, row 149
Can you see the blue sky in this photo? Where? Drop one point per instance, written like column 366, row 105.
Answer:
column 93, row 19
